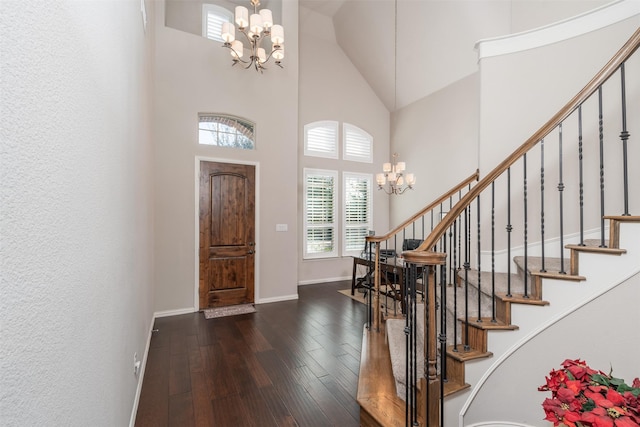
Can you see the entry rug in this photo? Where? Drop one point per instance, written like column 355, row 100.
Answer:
column 232, row 310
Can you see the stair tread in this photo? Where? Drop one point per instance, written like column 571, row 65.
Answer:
column 559, row 276
column 452, row 387
column 534, row 263
column 487, row 278
column 521, row 299
column 462, row 355
column 593, row 245
column 487, row 323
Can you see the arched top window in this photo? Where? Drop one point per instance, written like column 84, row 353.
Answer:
column 213, row 16
column 226, row 131
column 358, row 144
column 321, row 139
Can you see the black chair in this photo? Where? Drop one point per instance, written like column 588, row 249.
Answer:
column 411, row 244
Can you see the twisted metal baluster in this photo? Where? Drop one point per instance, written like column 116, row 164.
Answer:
column 601, row 137
column 525, row 231
column 542, row 268
column 509, row 230
column 624, row 136
column 581, row 175
column 561, row 193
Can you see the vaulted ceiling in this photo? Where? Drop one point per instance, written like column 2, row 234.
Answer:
column 408, row 49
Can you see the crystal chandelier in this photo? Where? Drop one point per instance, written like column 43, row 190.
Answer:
column 255, row 28
column 394, row 173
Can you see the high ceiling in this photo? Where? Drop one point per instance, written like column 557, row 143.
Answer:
column 323, row 7
column 432, row 45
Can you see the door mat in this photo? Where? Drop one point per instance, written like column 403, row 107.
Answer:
column 232, row 310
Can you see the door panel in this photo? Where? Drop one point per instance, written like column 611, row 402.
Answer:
column 227, row 234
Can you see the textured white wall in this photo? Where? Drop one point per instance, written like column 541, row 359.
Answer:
column 76, row 290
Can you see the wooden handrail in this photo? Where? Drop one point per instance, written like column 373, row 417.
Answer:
column 429, row 207
column 598, row 80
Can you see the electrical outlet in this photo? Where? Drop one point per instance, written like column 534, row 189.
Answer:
column 136, row 364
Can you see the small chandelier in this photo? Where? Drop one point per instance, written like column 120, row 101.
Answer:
column 255, row 28
column 399, row 182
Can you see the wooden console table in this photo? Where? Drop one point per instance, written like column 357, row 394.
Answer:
column 392, row 278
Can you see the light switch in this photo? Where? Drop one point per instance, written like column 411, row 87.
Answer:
column 282, row 227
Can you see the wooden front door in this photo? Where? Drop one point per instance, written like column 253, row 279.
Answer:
column 227, row 234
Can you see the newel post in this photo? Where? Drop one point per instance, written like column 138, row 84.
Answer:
column 429, row 404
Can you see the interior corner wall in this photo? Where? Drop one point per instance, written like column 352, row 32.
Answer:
column 76, row 271
column 194, row 74
column 332, row 89
column 437, row 137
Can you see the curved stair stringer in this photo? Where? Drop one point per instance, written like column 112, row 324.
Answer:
column 603, row 273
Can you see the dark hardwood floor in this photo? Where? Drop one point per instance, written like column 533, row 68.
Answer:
column 292, row 363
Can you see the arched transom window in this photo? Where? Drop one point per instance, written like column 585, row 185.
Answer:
column 226, row 131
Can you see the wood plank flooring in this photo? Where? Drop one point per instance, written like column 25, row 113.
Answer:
column 292, row 363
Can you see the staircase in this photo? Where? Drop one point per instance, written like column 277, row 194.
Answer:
column 483, row 307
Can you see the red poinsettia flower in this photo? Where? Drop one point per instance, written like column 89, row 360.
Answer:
column 554, row 381
column 601, row 417
column 578, row 368
column 584, row 397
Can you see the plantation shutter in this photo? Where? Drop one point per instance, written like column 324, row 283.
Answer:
column 357, row 219
column 321, row 139
column 320, row 213
column 358, row 144
column 212, row 19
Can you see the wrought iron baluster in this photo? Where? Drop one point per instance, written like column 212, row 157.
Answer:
column 561, row 194
column 542, row 268
column 431, row 219
column 624, row 136
column 580, row 172
column 479, row 319
column 525, row 231
column 601, row 137
column 455, row 283
column 442, row 337
column 509, row 230
column 493, row 252
column 467, row 254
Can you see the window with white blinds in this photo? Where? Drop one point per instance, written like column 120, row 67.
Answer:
column 213, row 17
column 358, row 144
column 320, row 213
column 321, row 139
column 357, row 212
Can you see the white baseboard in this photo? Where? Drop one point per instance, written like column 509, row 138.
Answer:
column 143, row 365
column 327, row 280
column 277, row 299
column 177, row 312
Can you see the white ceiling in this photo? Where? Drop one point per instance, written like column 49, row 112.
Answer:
column 433, row 46
column 323, row 7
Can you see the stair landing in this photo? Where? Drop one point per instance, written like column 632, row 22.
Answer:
column 379, row 404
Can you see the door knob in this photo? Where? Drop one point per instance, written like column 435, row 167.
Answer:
column 251, row 252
